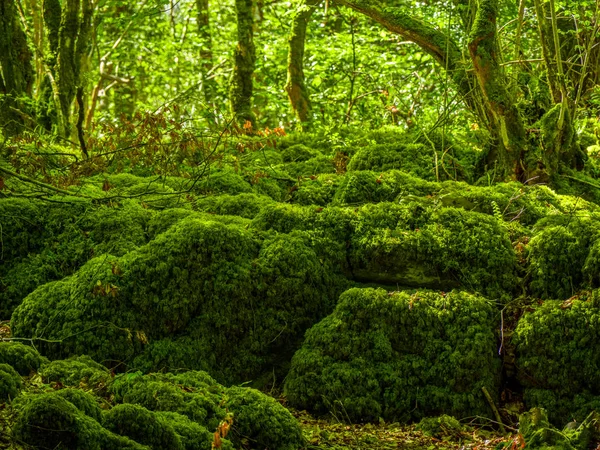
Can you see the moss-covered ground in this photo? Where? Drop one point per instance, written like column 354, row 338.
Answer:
column 389, row 298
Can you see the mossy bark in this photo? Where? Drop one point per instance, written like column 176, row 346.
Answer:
column 68, row 29
column 206, row 49
column 241, row 87
column 508, row 126
column 16, row 76
column 295, row 85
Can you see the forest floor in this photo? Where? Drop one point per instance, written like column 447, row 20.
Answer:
column 332, row 433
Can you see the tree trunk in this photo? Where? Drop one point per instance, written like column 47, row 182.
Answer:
column 16, row 69
column 241, row 88
column 206, row 51
column 295, row 85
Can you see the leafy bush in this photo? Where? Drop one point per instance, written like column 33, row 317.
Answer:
column 399, row 357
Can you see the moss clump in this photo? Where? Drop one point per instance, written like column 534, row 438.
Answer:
column 84, row 402
column 195, row 396
column 193, row 436
column 141, row 425
column 51, row 421
column 314, row 166
column 315, row 190
column 298, row 153
column 562, row 256
column 222, row 181
column 558, row 357
column 243, row 205
column 437, row 248
column 398, row 356
column 262, row 421
column 10, row 382
column 22, row 358
column 75, row 372
column 417, row 159
column 441, row 426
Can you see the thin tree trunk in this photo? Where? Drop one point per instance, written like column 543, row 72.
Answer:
column 206, row 50
column 295, row 85
column 16, row 69
column 241, row 88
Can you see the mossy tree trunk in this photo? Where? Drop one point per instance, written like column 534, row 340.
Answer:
column 482, row 82
column 16, row 75
column 296, row 85
column 241, row 87
column 206, row 50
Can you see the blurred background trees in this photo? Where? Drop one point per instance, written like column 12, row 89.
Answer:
column 517, row 81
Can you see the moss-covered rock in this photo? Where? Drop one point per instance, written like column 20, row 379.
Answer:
column 399, row 357
column 51, row 421
column 76, row 371
column 10, row 382
column 83, row 401
column 261, row 422
column 23, row 358
column 439, row 427
column 143, row 426
column 243, row 205
column 558, row 357
column 563, row 256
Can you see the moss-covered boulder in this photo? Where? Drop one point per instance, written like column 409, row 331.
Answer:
column 258, row 420
column 238, row 301
column 564, row 256
column 399, row 357
column 76, row 371
column 243, row 205
column 10, row 382
column 558, row 357
column 143, row 426
column 23, row 358
column 51, row 421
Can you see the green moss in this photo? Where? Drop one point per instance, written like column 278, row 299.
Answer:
column 261, row 421
column 193, row 436
column 437, row 248
column 313, row 166
column 83, row 401
column 23, row 358
column 75, row 372
column 243, row 205
column 10, row 382
column 562, row 257
column 439, row 427
column 50, row 421
column 317, row 191
column 558, row 360
column 141, row 425
column 399, row 357
column 298, row 153
column 222, row 181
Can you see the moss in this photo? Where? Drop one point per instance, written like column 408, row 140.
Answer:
column 437, row 248
column 261, row 422
column 76, row 371
column 193, row 436
column 243, row 205
column 163, row 220
column 399, row 357
column 222, row 181
column 141, row 425
column 10, row 382
column 539, row 433
column 315, row 190
column 23, row 358
column 83, row 401
column 558, row 356
column 50, row 421
column 314, row 166
column 562, row 256
column 441, row 426
column 298, row 153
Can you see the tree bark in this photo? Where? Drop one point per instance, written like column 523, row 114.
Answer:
column 17, row 73
column 241, row 87
column 206, row 50
column 295, row 85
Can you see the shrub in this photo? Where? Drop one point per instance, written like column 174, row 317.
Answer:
column 399, row 357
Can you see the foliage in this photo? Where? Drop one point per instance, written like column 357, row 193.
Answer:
column 379, row 354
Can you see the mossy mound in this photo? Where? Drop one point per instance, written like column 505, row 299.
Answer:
column 10, row 382
column 243, row 205
column 564, row 256
column 22, row 358
column 51, row 421
column 258, row 420
column 76, row 371
column 558, row 357
column 143, row 426
column 83, row 401
column 441, row 426
column 213, row 286
column 398, row 356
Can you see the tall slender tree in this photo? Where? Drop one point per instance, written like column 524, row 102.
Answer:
column 241, row 87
